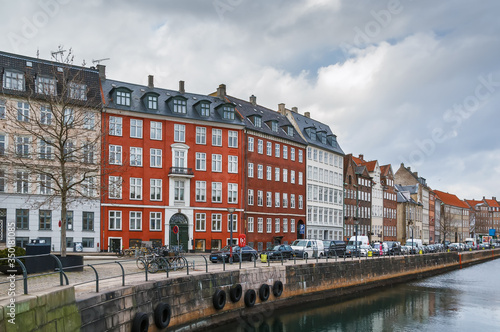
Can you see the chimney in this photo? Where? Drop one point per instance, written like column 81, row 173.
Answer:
column 151, row 79
column 181, row 87
column 281, row 109
column 253, row 100
column 295, row 109
column 102, row 72
column 307, row 114
column 416, row 174
column 493, row 198
column 221, row 91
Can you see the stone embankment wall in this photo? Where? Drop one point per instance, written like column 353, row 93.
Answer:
column 191, row 297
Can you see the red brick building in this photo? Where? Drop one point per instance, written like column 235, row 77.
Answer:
column 175, row 161
column 357, row 198
column 390, row 203
column 274, row 175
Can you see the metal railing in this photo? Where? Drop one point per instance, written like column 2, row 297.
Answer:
column 187, row 266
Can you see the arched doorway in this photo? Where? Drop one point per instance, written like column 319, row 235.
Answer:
column 182, row 237
column 301, row 230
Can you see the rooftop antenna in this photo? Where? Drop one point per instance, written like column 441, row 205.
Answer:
column 98, row 61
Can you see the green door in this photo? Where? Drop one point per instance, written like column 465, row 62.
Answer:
column 182, row 237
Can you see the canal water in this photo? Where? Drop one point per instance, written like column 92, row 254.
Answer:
column 462, row 300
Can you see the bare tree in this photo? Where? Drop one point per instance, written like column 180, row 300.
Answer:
column 55, row 133
column 447, row 224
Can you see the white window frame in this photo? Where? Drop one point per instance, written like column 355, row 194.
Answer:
column 232, row 139
column 115, row 126
column 201, row 161
column 155, row 130
column 179, row 133
column 155, row 221
column 201, row 191
column 115, row 187
column 115, row 219
column 232, row 164
column 216, row 137
column 217, row 192
column 136, row 188
column 155, row 188
column 136, row 128
column 115, row 154
column 135, row 219
column 155, row 158
column 232, row 193
column 135, row 156
column 201, row 135
column 200, row 222
column 216, row 163
column 251, row 141
column 216, row 222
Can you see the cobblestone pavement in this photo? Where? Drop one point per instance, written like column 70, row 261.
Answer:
column 110, row 274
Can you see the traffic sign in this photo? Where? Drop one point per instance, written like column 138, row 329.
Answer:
column 242, row 240
column 302, row 229
column 175, row 229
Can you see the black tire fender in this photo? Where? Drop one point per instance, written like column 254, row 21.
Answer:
column 162, row 315
column 235, row 293
column 250, row 298
column 277, row 288
column 140, row 322
column 264, row 292
column 219, row 299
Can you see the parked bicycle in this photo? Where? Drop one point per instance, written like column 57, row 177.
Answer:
column 165, row 263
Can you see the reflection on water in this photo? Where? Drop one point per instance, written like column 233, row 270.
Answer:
column 462, row 300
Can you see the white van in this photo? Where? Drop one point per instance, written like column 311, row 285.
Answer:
column 308, row 248
column 415, row 244
column 362, row 240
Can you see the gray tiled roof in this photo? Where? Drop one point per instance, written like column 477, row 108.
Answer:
column 304, row 122
column 247, row 109
column 138, row 105
column 77, row 74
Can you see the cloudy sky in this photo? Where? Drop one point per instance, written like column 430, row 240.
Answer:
column 399, row 81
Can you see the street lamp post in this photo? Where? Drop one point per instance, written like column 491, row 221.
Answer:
column 231, row 211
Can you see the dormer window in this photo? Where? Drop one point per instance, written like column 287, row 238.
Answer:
column 289, row 131
column 46, row 85
column 150, row 100
column 123, row 97
column 322, row 137
column 77, row 91
column 311, row 132
column 257, row 121
column 13, row 80
column 274, row 126
column 205, row 109
column 228, row 112
column 180, row 106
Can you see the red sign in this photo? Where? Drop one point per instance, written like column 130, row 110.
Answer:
column 242, row 240
column 175, row 229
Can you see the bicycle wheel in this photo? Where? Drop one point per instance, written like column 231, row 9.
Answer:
column 141, row 263
column 153, row 267
column 177, row 263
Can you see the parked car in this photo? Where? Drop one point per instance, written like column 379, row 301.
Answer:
column 308, row 248
column 247, row 253
column 364, row 249
column 334, row 248
column 382, row 247
column 454, row 246
column 394, row 247
column 280, row 251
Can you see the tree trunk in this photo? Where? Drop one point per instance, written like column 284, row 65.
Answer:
column 63, row 223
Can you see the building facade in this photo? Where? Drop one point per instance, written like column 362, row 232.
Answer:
column 173, row 164
column 325, row 163
column 455, row 220
column 274, row 175
column 390, row 204
column 49, row 151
